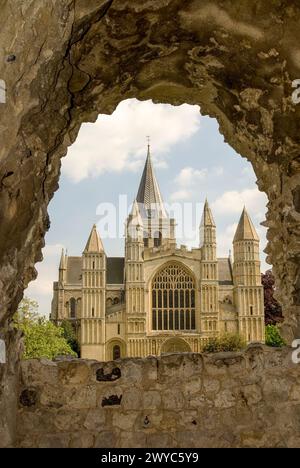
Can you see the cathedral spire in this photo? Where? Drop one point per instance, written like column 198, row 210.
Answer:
column 207, row 217
column 149, row 196
column 135, row 216
column 62, row 264
column 245, row 229
column 94, row 243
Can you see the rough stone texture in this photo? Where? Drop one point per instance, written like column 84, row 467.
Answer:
column 66, row 61
column 9, row 387
column 245, row 399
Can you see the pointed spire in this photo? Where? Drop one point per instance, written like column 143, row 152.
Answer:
column 135, row 223
column 135, row 216
column 94, row 243
column 149, row 194
column 207, row 217
column 63, row 263
column 245, row 229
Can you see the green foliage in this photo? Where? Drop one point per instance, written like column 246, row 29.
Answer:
column 226, row 342
column 42, row 339
column 273, row 337
column 70, row 336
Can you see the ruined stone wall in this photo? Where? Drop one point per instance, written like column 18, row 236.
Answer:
column 244, row 399
column 66, row 61
column 9, row 385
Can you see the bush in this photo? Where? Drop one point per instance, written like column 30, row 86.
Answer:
column 273, row 337
column 42, row 339
column 226, row 342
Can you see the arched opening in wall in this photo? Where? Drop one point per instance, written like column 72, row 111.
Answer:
column 116, row 352
column 116, row 349
column 190, row 189
column 175, row 345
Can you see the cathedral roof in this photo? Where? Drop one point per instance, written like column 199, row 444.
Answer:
column 207, row 217
column 94, row 243
column 74, row 270
column 149, row 195
column 115, row 270
column 225, row 271
column 245, row 229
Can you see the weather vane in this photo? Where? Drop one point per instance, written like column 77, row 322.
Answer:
column 148, row 140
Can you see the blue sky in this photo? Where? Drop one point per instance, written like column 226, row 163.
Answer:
column 191, row 162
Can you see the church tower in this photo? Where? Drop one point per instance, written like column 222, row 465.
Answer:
column 62, row 274
column 247, row 280
column 93, row 298
column 209, row 273
column 159, row 229
column 134, row 280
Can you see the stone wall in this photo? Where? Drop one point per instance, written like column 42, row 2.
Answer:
column 9, row 386
column 244, row 399
column 66, row 61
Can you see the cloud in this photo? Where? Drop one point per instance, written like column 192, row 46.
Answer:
column 232, row 202
column 189, row 176
column 47, row 272
column 180, row 195
column 117, row 142
column 186, row 181
column 218, row 171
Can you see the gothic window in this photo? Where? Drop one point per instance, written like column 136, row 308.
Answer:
column 173, row 299
column 116, row 352
column 73, row 307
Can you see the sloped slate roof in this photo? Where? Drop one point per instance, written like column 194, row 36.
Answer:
column 74, row 266
column 115, row 270
column 245, row 229
column 225, row 271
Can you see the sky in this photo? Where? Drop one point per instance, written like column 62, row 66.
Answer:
column 101, row 174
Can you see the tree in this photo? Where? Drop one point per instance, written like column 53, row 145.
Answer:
column 42, row 339
column 273, row 337
column 70, row 336
column 273, row 311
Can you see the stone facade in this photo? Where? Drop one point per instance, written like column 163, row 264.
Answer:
column 244, row 399
column 160, row 298
column 64, row 62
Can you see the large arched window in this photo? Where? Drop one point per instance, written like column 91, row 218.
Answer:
column 173, row 299
column 73, row 307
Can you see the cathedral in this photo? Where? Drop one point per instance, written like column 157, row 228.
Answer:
column 159, row 297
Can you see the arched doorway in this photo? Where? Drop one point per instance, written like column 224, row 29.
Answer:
column 116, row 352
column 175, row 345
column 116, row 349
